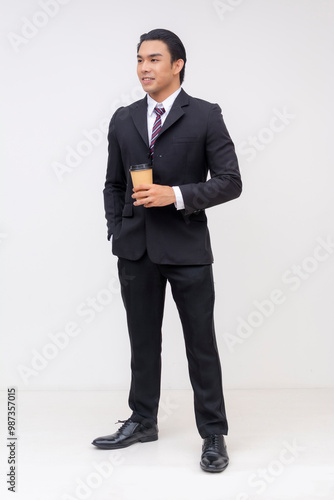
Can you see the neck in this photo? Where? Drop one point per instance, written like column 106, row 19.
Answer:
column 163, row 95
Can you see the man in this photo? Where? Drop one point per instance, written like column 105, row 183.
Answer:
column 160, row 234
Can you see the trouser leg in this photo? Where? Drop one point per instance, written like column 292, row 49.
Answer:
column 143, row 293
column 193, row 292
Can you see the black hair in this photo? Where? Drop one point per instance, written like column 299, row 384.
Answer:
column 173, row 42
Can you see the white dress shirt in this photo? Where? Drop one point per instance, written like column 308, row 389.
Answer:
column 151, row 116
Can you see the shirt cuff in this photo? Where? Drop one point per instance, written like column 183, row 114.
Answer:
column 179, row 203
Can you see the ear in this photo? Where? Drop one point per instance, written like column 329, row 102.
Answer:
column 178, row 65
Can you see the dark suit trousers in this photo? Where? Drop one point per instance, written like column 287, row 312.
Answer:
column 143, row 286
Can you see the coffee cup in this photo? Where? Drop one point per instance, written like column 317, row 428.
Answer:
column 141, row 174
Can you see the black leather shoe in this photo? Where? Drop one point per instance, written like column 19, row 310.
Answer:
column 214, row 454
column 129, row 433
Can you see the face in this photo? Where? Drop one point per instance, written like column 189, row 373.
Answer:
column 157, row 74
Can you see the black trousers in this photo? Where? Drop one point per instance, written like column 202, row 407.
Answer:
column 143, row 286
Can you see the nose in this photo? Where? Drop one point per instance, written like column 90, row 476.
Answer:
column 145, row 67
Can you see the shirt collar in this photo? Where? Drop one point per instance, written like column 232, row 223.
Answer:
column 167, row 103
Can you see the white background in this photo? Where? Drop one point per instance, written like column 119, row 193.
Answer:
column 259, row 59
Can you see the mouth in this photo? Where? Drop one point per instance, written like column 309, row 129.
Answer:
column 147, row 79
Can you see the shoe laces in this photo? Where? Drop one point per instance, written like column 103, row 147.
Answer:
column 212, row 441
column 124, row 422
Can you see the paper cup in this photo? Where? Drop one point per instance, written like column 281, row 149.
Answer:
column 141, row 174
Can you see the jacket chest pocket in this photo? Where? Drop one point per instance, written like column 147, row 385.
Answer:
column 184, row 140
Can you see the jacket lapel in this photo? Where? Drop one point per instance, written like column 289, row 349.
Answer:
column 176, row 112
column 139, row 116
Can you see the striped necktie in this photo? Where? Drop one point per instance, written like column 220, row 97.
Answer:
column 156, row 127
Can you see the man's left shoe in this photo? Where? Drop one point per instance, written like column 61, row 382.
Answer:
column 214, row 454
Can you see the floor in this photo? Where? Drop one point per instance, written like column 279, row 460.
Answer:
column 281, row 447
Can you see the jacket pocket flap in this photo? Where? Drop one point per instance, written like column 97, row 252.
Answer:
column 178, row 140
column 127, row 210
column 199, row 215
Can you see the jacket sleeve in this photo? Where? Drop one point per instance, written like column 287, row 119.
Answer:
column 222, row 163
column 115, row 184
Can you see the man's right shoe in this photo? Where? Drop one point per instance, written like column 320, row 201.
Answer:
column 129, row 433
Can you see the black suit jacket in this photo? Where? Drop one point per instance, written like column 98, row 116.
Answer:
column 192, row 142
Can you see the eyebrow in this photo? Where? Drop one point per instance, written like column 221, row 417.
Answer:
column 150, row 55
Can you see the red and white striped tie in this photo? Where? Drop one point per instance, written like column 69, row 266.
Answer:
column 156, row 127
